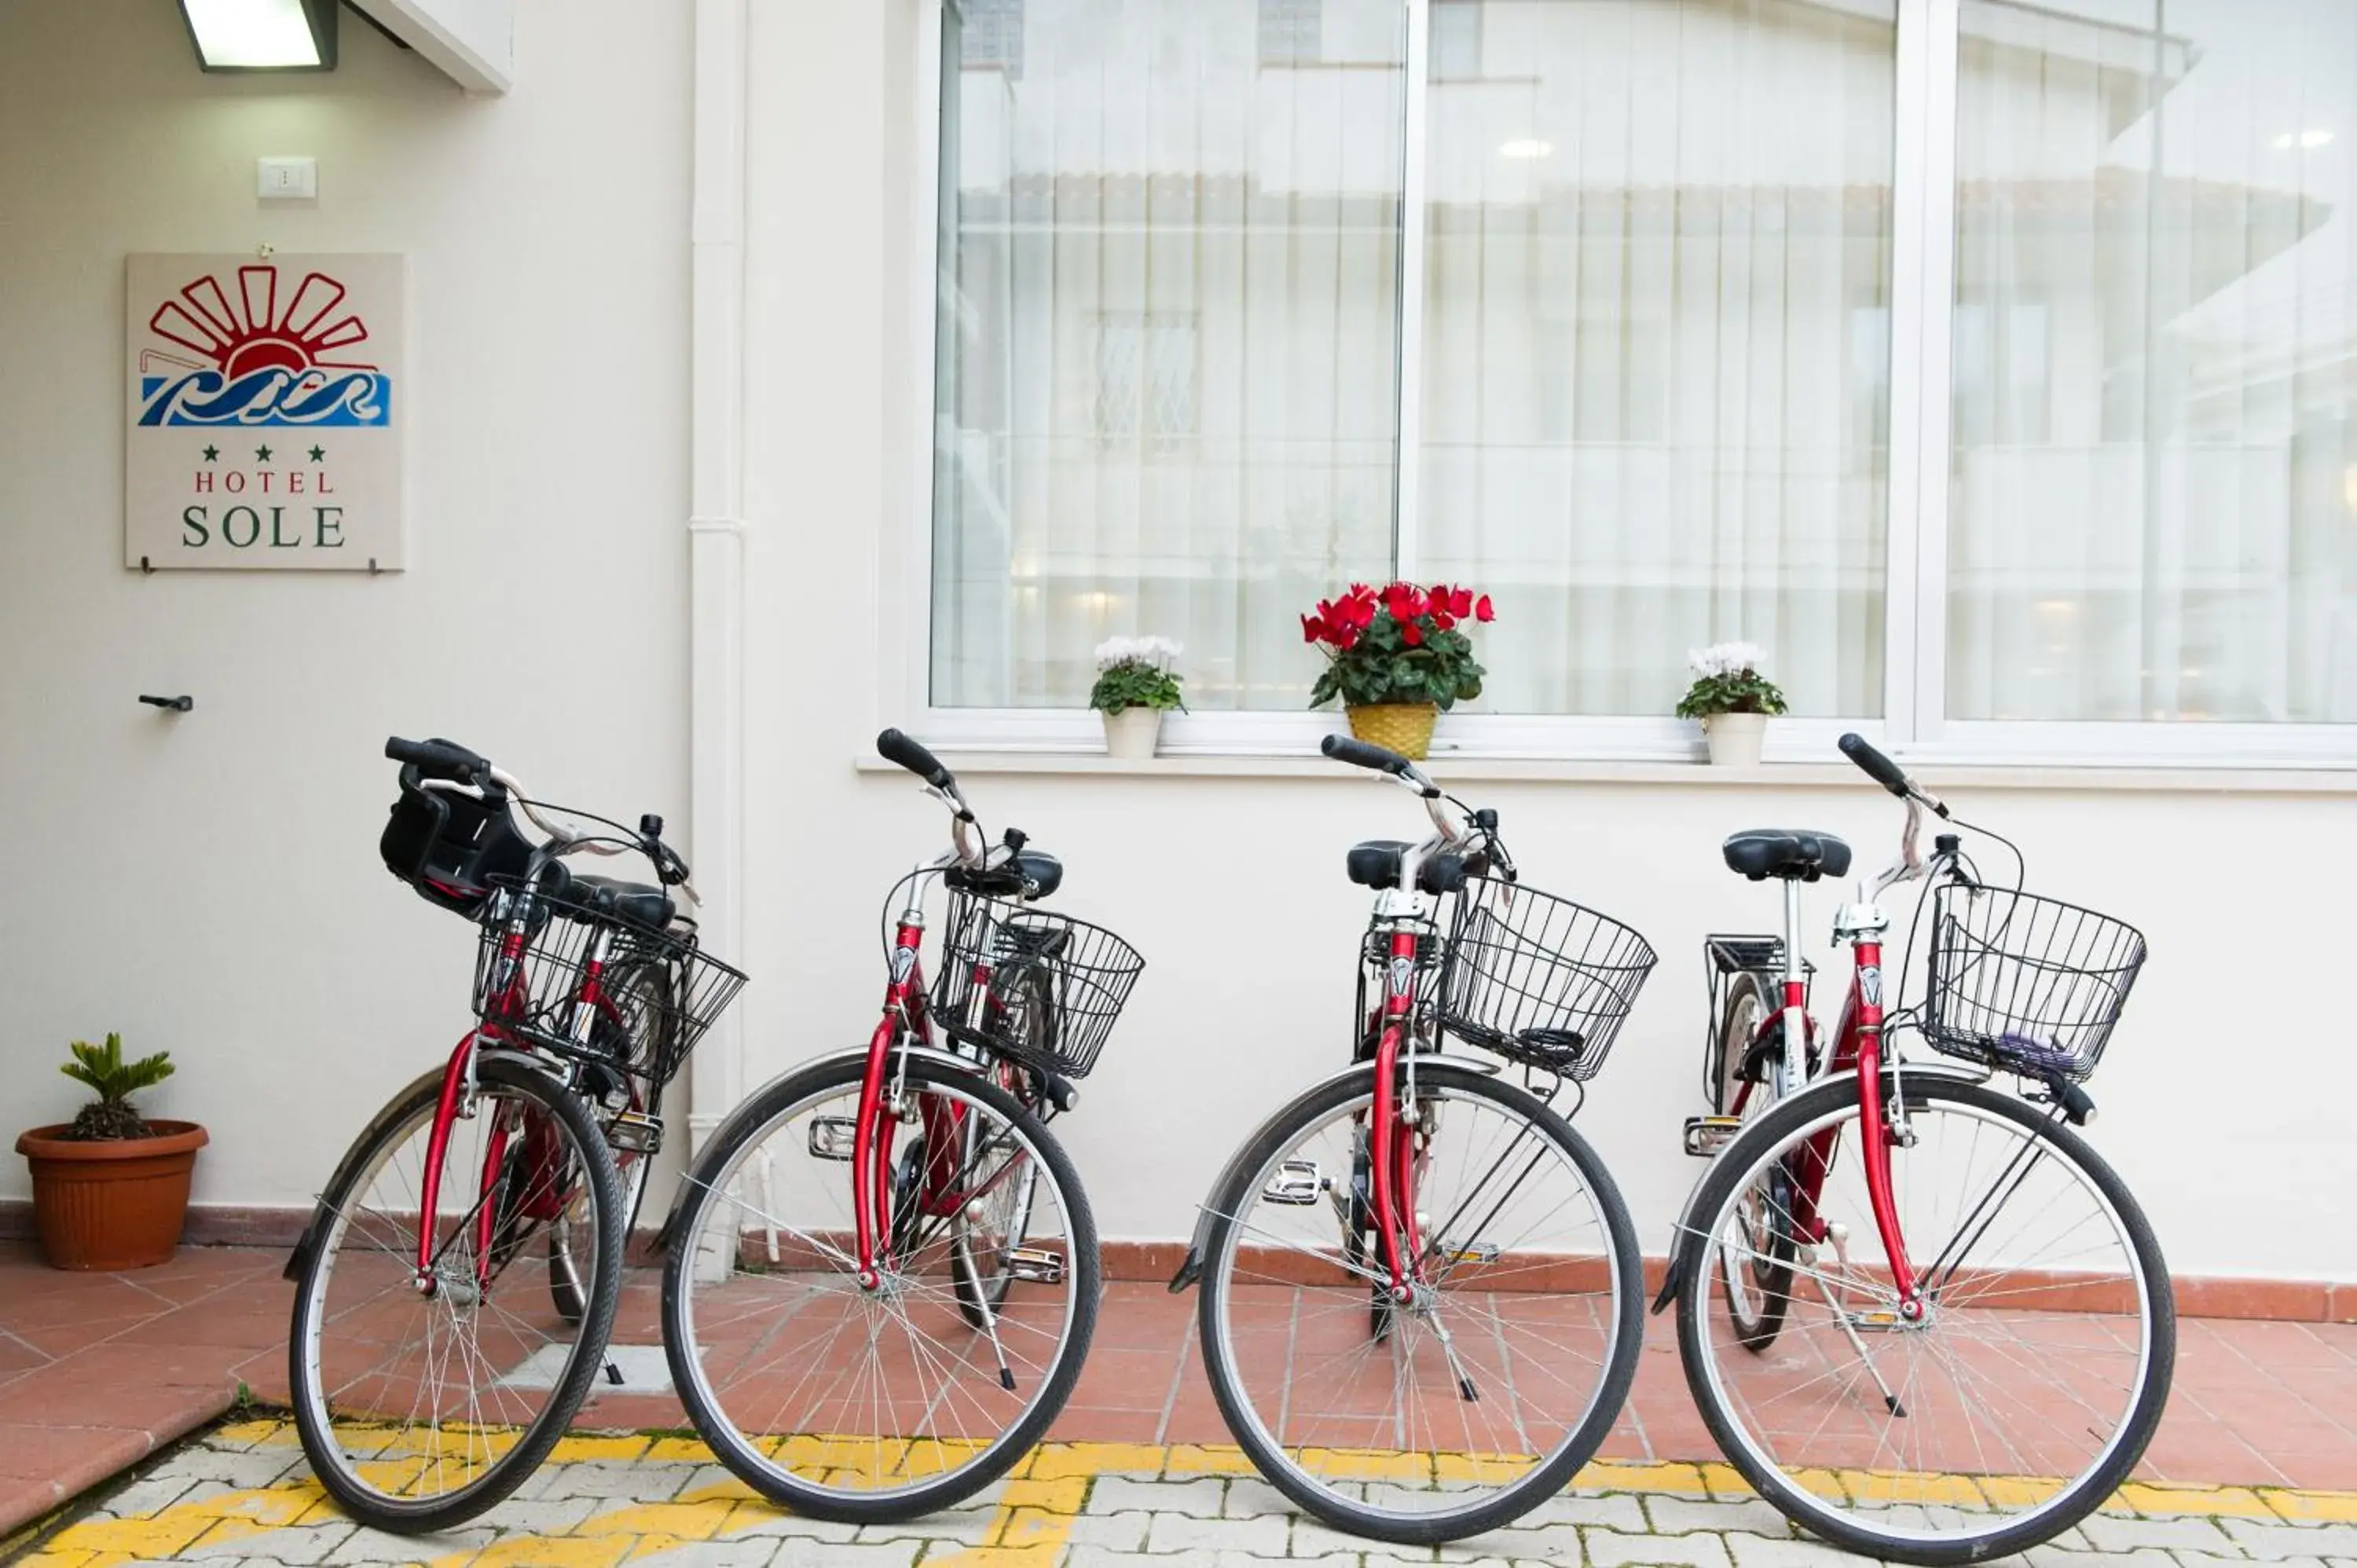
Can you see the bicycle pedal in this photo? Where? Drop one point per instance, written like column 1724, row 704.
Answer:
column 1706, row 1136
column 635, row 1131
column 1297, row 1184
column 1036, row 1265
column 833, row 1137
column 1876, row 1320
column 1471, row 1252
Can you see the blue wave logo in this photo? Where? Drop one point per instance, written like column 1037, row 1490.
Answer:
column 277, row 396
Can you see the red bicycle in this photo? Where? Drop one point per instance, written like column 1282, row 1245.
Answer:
column 1422, row 1294
column 1940, row 1328
column 428, row 1377
column 883, row 1272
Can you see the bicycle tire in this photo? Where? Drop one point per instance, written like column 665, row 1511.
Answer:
column 1772, row 1284
column 2064, row 1508
column 708, row 1183
column 1542, row 1479
column 315, row 1423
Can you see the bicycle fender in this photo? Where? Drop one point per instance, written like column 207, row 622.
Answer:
column 1687, row 1243
column 728, row 1124
column 309, row 1242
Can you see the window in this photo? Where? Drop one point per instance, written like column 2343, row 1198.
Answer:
column 2155, row 420
column 1613, row 308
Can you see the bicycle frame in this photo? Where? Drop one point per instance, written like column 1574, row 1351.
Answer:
column 906, row 1021
column 589, row 1003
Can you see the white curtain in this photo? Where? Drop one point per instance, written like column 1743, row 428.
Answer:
column 1168, row 337
column 1656, row 350
column 2153, row 479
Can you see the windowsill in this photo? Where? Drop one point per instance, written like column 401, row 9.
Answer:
column 2221, row 781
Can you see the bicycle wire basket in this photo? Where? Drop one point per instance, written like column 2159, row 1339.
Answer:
column 657, row 991
column 1540, row 980
column 1041, row 989
column 2023, row 982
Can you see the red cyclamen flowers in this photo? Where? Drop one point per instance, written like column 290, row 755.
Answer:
column 1417, row 612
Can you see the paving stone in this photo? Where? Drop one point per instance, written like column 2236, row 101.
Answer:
column 292, row 1543
column 711, row 1554
column 153, row 1495
column 374, row 1546
column 238, row 1467
column 1250, row 1497
column 640, row 1481
column 1782, row 1551
column 2276, row 1542
column 1681, row 1516
column 1613, row 1549
column 2110, row 1532
column 541, row 1516
column 1619, row 1511
column 1099, row 1557
column 1201, row 1497
column 799, row 1553
column 1264, row 1537
column 1313, row 1539
column 762, row 1521
column 968, row 1528
column 1544, row 1543
column 1110, row 1532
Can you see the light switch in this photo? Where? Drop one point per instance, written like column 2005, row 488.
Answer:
column 286, row 179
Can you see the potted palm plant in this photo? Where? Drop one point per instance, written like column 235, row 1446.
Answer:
column 1136, row 686
column 1733, row 701
column 1398, row 657
column 111, row 1187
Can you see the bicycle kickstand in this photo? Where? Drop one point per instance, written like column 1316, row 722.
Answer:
column 1839, row 1235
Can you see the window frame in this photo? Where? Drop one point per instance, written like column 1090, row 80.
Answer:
column 1913, row 722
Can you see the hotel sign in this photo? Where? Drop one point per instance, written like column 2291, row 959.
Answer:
column 267, row 404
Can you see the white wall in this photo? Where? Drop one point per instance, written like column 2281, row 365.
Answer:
column 2232, row 1127
column 209, row 884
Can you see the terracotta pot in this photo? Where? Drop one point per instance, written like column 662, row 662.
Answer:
column 1133, row 732
column 114, row 1203
column 1404, row 728
column 1734, row 738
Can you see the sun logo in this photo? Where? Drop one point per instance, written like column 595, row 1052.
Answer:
column 256, row 362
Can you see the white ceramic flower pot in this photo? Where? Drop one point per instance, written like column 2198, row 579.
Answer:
column 1735, row 738
column 1131, row 731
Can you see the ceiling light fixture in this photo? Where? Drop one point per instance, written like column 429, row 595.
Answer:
column 1530, row 147
column 2310, row 138
column 261, row 35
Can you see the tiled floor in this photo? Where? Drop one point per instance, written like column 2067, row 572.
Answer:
column 97, row 1370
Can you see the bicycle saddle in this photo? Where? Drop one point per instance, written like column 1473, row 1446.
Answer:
column 1376, row 863
column 1032, row 874
column 1786, row 855
column 629, row 901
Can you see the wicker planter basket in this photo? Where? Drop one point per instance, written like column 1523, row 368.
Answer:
column 1404, row 728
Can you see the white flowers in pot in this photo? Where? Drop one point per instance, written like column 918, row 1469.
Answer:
column 1733, row 701
column 1136, row 686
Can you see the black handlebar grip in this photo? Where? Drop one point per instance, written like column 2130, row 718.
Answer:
column 1363, row 754
column 894, row 746
column 1876, row 766
column 440, row 757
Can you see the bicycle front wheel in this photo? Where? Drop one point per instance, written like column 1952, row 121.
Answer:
column 883, row 1402
column 2023, row 1394
column 422, row 1404
column 1464, row 1408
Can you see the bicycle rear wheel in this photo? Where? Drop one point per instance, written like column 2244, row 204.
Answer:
column 1757, row 1278
column 419, row 1408
column 1462, row 1410
column 2020, row 1398
column 875, row 1405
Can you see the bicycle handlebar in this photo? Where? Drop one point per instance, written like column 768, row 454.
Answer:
column 1364, row 754
column 1887, row 773
column 894, row 746
column 443, row 756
